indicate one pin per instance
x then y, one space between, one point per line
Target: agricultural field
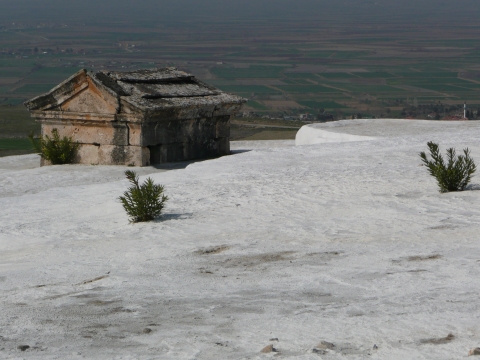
15 146
15 125
392 68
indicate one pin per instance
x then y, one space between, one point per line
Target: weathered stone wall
181 140
100 143
110 155
113 155
113 133
143 144
174 152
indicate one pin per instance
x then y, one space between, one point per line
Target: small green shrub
453 175
54 149
143 202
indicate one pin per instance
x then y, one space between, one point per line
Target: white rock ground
346 242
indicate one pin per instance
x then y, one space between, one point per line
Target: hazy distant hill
455 12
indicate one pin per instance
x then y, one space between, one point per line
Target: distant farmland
284 68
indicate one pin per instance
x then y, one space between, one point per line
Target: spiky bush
143 202
57 150
452 175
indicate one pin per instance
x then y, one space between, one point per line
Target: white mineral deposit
340 242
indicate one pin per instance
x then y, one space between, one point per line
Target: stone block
173 152
223 146
226 110
162 132
195 112
87 154
135 134
44 162
222 127
123 155
109 134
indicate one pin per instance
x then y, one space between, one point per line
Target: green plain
248 89
254 71
15 144
307 89
321 104
256 105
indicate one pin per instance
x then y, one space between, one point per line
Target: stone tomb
138 118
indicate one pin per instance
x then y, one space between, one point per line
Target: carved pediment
89 100
79 94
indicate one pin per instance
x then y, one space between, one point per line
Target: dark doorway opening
155 154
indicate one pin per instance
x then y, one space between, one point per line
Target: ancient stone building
138 118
